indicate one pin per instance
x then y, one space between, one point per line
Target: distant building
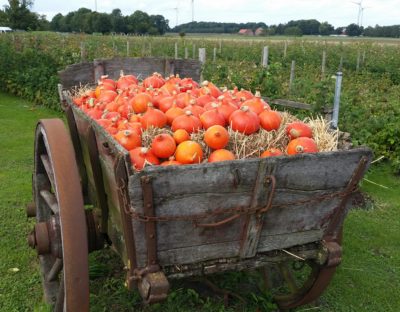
259 31
246 32
5 29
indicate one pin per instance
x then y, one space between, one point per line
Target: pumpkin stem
244 108
258 94
121 73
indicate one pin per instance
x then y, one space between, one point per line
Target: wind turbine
192 10
362 14
359 11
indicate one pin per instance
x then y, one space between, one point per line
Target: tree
19 16
353 30
326 29
118 24
160 23
293 31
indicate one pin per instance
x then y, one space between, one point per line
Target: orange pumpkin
221 155
181 135
298 129
171 162
153 118
216 137
189 152
211 118
139 102
302 145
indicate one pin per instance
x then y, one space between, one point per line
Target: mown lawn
367 280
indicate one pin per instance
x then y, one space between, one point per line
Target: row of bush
370 108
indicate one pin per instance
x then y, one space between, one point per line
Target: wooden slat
260 196
76 75
50 200
288 103
55 270
47 166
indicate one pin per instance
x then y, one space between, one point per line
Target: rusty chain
236 210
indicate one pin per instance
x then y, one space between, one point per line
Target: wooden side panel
188 190
77 74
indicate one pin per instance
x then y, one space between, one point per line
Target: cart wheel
60 234
296 282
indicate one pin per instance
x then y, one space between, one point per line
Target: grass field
367 280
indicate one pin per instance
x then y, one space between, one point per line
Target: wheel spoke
55 270
49 169
51 200
60 302
288 277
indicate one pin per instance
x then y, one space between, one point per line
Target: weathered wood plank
77 74
288 103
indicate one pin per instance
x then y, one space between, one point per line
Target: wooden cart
276 214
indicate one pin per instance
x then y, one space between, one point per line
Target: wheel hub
46 237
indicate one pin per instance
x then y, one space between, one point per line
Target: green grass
367 280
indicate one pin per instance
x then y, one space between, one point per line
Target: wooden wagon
175 222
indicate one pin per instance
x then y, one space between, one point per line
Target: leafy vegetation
370 260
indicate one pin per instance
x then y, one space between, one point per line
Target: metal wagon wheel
297 282
60 234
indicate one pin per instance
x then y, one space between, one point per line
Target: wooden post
265 57
220 46
194 51
202 55
150 49
176 50
358 61
186 53
291 79
127 48
323 64
214 54
285 49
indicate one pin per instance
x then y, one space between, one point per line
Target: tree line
17 15
292 28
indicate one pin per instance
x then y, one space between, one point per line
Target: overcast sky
336 12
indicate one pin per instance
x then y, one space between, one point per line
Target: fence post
336 100
358 61
83 52
265 57
127 48
186 53
202 55
323 64
214 54
220 46
194 51
176 50
285 49
291 79
363 57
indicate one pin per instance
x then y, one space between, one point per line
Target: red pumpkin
187 122
173 112
221 155
154 81
256 104
270 120
244 120
211 118
272 152
163 145
141 156
128 139
153 117
125 81
301 145
298 129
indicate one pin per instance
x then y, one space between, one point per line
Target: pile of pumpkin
176 121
